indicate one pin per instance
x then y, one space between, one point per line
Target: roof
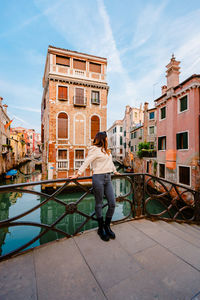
179 85
50 46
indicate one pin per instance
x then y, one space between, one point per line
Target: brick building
74 109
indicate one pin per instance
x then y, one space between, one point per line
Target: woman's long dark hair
101 141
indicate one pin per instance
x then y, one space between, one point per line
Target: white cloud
37 110
136 72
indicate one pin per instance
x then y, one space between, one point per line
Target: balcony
78 163
148 153
62 165
80 101
67 71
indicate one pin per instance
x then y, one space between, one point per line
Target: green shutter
185 140
178 141
159 143
163 113
183 103
121 142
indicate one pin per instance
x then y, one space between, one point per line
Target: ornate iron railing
148 196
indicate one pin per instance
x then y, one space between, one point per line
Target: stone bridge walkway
148 260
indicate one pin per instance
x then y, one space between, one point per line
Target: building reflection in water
12 204
51 211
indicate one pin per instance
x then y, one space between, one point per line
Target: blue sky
137 37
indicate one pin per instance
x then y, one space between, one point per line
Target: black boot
108 230
101 231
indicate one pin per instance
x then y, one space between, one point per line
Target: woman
100 158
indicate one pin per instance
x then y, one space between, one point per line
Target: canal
14 203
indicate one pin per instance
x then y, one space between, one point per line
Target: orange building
74 108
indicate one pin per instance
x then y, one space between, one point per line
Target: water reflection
12 204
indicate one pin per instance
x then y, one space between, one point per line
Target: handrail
176 202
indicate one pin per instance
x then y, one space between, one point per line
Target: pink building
178 128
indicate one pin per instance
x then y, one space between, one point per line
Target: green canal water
12 204
15 203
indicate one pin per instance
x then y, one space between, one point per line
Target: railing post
197 205
138 195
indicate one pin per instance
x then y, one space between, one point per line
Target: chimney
164 89
172 73
5 108
1 99
146 105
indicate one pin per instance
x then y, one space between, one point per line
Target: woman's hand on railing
117 173
74 176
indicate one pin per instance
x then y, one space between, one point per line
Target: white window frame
188 140
78 160
180 165
179 102
153 129
58 100
149 114
62 160
95 90
165 113
165 143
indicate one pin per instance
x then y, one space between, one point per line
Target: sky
137 37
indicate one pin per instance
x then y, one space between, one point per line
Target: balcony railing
146 196
80 101
67 71
78 163
62 165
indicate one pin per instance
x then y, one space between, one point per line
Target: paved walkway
148 260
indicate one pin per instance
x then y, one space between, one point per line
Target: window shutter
62 154
95 126
177 141
79 64
61 60
159 143
62 93
62 126
79 154
95 67
183 103
185 140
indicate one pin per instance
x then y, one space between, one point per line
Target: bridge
155 255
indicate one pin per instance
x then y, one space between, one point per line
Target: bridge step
147 260
182 248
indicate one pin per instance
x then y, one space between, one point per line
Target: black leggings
102 186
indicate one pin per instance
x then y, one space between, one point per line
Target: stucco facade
178 111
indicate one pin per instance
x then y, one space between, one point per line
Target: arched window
62 126
95 126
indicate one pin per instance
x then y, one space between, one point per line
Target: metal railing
173 202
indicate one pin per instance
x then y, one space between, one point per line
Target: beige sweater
100 162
